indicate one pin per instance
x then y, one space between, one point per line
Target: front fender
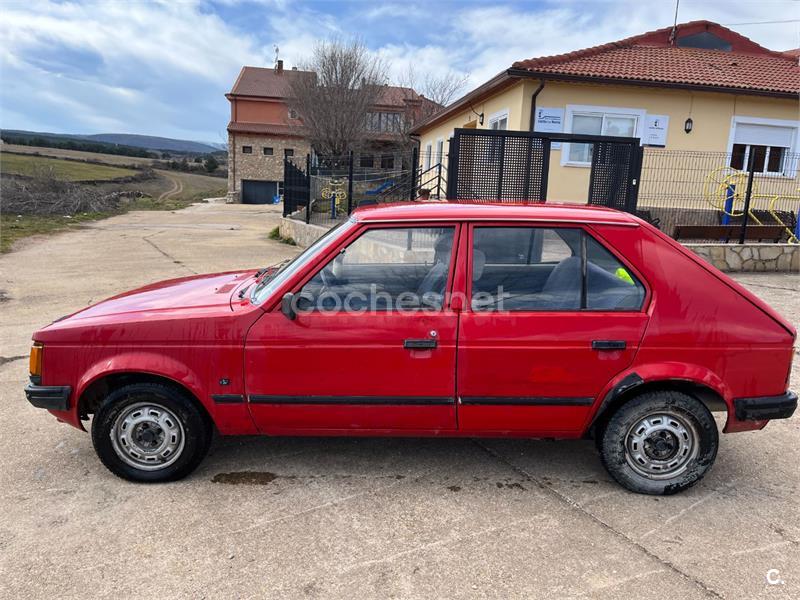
644 374
136 362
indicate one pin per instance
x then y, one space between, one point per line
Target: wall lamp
688 124
479 115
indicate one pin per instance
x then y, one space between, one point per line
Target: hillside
112 140
149 142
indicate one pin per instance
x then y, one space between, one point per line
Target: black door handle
608 344
419 344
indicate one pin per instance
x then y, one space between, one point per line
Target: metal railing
721 197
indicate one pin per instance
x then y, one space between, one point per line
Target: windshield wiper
276 266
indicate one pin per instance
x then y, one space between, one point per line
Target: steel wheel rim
147 436
661 445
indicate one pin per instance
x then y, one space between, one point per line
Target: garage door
258 192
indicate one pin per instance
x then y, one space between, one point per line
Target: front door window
392 269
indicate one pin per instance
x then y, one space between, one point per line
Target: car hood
212 290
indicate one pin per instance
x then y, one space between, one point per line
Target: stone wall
761 258
302 233
256 165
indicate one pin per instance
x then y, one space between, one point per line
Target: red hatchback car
432 320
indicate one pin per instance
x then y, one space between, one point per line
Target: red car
432 320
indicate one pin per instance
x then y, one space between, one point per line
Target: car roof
494 211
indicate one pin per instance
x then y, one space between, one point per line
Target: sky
163 67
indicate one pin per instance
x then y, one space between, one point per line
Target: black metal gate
296 184
513 166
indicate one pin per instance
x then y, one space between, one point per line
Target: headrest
478 262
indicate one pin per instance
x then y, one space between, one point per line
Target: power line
763 22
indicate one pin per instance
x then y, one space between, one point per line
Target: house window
499 120
597 120
247 149
267 151
387 161
428 152
288 152
366 161
767 142
292 113
386 122
439 150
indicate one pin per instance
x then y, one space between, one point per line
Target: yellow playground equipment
725 189
336 187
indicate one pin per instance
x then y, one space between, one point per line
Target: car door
554 315
373 343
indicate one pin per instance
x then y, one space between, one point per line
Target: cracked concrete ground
355 517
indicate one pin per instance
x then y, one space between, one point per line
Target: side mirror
288 307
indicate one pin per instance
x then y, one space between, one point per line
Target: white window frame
620 111
428 154
497 116
791 171
439 149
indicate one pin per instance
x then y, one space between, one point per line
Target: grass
195 187
275 234
69 170
16 227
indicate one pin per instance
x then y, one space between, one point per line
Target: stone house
263 130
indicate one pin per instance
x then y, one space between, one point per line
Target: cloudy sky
162 67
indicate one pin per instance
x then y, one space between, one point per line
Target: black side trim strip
363 400
531 401
51 397
765 407
227 398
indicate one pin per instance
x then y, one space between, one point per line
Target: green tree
211 163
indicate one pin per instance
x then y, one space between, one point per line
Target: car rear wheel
150 432
659 443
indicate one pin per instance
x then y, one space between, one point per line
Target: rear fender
696 378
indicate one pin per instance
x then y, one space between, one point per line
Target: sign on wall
550 120
655 130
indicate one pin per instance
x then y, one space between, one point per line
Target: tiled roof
265 82
266 129
269 83
652 57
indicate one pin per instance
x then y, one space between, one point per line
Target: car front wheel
659 443
150 432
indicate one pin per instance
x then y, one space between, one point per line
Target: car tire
149 432
659 443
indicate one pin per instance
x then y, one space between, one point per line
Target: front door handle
420 344
608 345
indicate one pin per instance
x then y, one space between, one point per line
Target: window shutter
763 135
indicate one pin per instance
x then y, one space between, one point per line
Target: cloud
163 67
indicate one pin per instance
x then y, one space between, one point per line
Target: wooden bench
724 233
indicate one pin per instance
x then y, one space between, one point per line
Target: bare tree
344 81
436 91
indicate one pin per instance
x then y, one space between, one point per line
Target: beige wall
256 165
711 114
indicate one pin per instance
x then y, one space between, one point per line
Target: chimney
279 67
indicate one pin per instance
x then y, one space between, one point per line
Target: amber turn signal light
36 359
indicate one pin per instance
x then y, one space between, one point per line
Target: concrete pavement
375 518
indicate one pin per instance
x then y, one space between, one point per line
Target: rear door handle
608 345
420 344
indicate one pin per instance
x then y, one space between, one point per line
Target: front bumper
765 407
51 397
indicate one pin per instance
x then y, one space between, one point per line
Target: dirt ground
359 518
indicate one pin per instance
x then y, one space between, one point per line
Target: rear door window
541 269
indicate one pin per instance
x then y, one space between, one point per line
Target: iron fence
324 190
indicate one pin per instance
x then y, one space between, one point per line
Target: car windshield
269 283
